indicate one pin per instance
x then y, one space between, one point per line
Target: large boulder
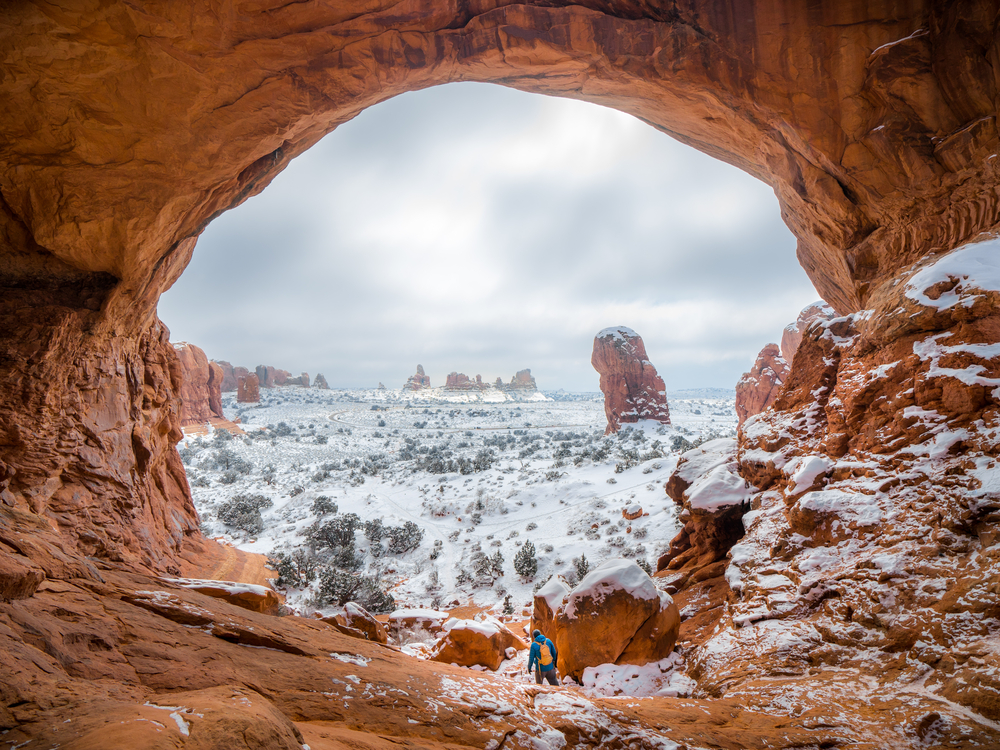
356 621
469 643
759 388
615 615
246 595
548 599
632 389
201 385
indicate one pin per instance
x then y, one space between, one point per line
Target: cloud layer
475 228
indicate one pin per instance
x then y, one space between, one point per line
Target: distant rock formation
458 381
320 382
417 382
201 388
632 388
301 380
271 377
381 386
249 389
229 381
759 388
791 337
522 381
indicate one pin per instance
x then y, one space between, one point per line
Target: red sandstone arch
131 126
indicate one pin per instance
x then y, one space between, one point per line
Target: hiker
542 655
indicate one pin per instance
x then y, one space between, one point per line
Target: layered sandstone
418 381
632 389
201 385
759 388
861 603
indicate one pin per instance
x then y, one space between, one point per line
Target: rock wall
231 376
758 389
632 389
201 385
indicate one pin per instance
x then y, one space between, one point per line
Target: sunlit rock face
632 389
792 335
201 385
758 389
862 596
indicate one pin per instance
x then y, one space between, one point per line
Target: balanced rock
759 388
632 389
469 643
615 615
201 387
249 389
418 381
792 335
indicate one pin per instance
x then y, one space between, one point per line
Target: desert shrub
525 562
405 538
487 568
336 533
243 512
296 569
338 587
644 564
324 506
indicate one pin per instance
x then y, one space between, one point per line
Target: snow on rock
632 389
483 642
245 595
613 575
955 277
807 471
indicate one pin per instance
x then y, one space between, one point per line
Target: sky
479 229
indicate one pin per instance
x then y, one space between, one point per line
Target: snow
659 678
613 575
808 470
554 592
488 627
619 333
975 266
857 507
419 615
228 586
720 488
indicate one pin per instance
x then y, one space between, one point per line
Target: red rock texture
632 389
129 127
201 392
467 644
249 389
792 335
758 389
418 381
271 377
228 376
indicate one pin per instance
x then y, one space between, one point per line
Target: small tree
582 566
508 606
525 562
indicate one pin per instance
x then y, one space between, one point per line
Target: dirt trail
220 562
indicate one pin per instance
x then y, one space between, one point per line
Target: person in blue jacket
542 656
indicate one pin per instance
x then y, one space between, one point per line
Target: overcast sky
480 229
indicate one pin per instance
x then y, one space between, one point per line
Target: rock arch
133 126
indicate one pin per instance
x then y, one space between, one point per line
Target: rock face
320 382
247 596
201 385
128 128
302 380
458 381
792 334
358 622
229 381
418 381
522 381
632 389
758 389
469 643
249 389
615 615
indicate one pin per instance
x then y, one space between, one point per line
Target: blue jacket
535 654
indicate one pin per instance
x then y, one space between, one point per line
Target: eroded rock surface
632 389
792 335
759 388
201 385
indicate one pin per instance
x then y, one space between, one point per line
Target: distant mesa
248 391
459 381
320 382
791 337
417 382
632 388
201 385
759 388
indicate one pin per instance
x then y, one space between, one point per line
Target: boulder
320 382
632 389
759 388
358 618
249 389
615 615
430 620
201 386
469 643
246 595
417 382
547 601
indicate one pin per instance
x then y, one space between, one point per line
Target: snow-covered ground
445 495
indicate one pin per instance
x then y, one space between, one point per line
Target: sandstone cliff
201 385
759 388
632 389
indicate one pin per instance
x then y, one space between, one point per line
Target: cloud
475 228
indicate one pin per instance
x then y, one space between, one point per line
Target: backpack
544 654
